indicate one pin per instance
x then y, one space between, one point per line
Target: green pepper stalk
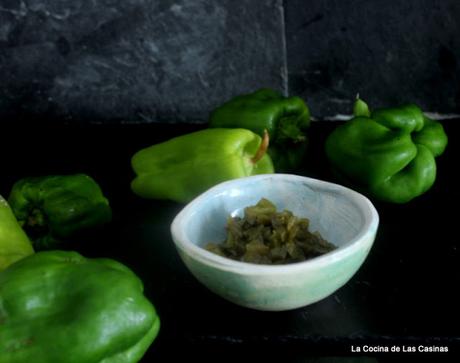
14 244
54 208
262 148
183 167
58 306
390 154
360 108
285 118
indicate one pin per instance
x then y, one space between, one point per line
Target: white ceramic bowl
342 216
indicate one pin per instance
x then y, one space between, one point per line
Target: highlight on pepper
14 243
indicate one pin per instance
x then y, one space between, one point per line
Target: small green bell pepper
58 306
183 167
285 118
14 244
53 208
389 154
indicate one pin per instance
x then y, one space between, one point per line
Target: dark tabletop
405 293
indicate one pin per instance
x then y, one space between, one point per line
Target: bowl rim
184 244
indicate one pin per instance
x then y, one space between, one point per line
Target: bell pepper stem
262 148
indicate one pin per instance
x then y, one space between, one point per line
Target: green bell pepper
58 306
14 244
389 154
183 167
285 119
53 208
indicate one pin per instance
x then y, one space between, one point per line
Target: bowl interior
336 212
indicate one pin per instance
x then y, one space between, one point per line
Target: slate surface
136 60
389 51
175 60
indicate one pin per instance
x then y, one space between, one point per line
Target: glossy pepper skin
53 208
14 243
389 154
183 167
285 118
58 306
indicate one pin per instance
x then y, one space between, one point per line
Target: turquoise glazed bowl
342 216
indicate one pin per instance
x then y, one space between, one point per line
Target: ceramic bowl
342 216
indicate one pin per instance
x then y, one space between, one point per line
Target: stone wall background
388 51
173 61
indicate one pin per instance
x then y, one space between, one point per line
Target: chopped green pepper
266 236
58 306
390 154
185 166
53 208
14 244
285 118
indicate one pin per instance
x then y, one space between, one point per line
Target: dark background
173 61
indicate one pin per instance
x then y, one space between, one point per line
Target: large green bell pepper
58 306
53 208
285 118
185 166
390 154
14 244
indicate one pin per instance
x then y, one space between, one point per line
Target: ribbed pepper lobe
58 306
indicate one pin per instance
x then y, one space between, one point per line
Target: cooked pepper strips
265 236
58 306
285 118
53 208
390 154
14 244
183 167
